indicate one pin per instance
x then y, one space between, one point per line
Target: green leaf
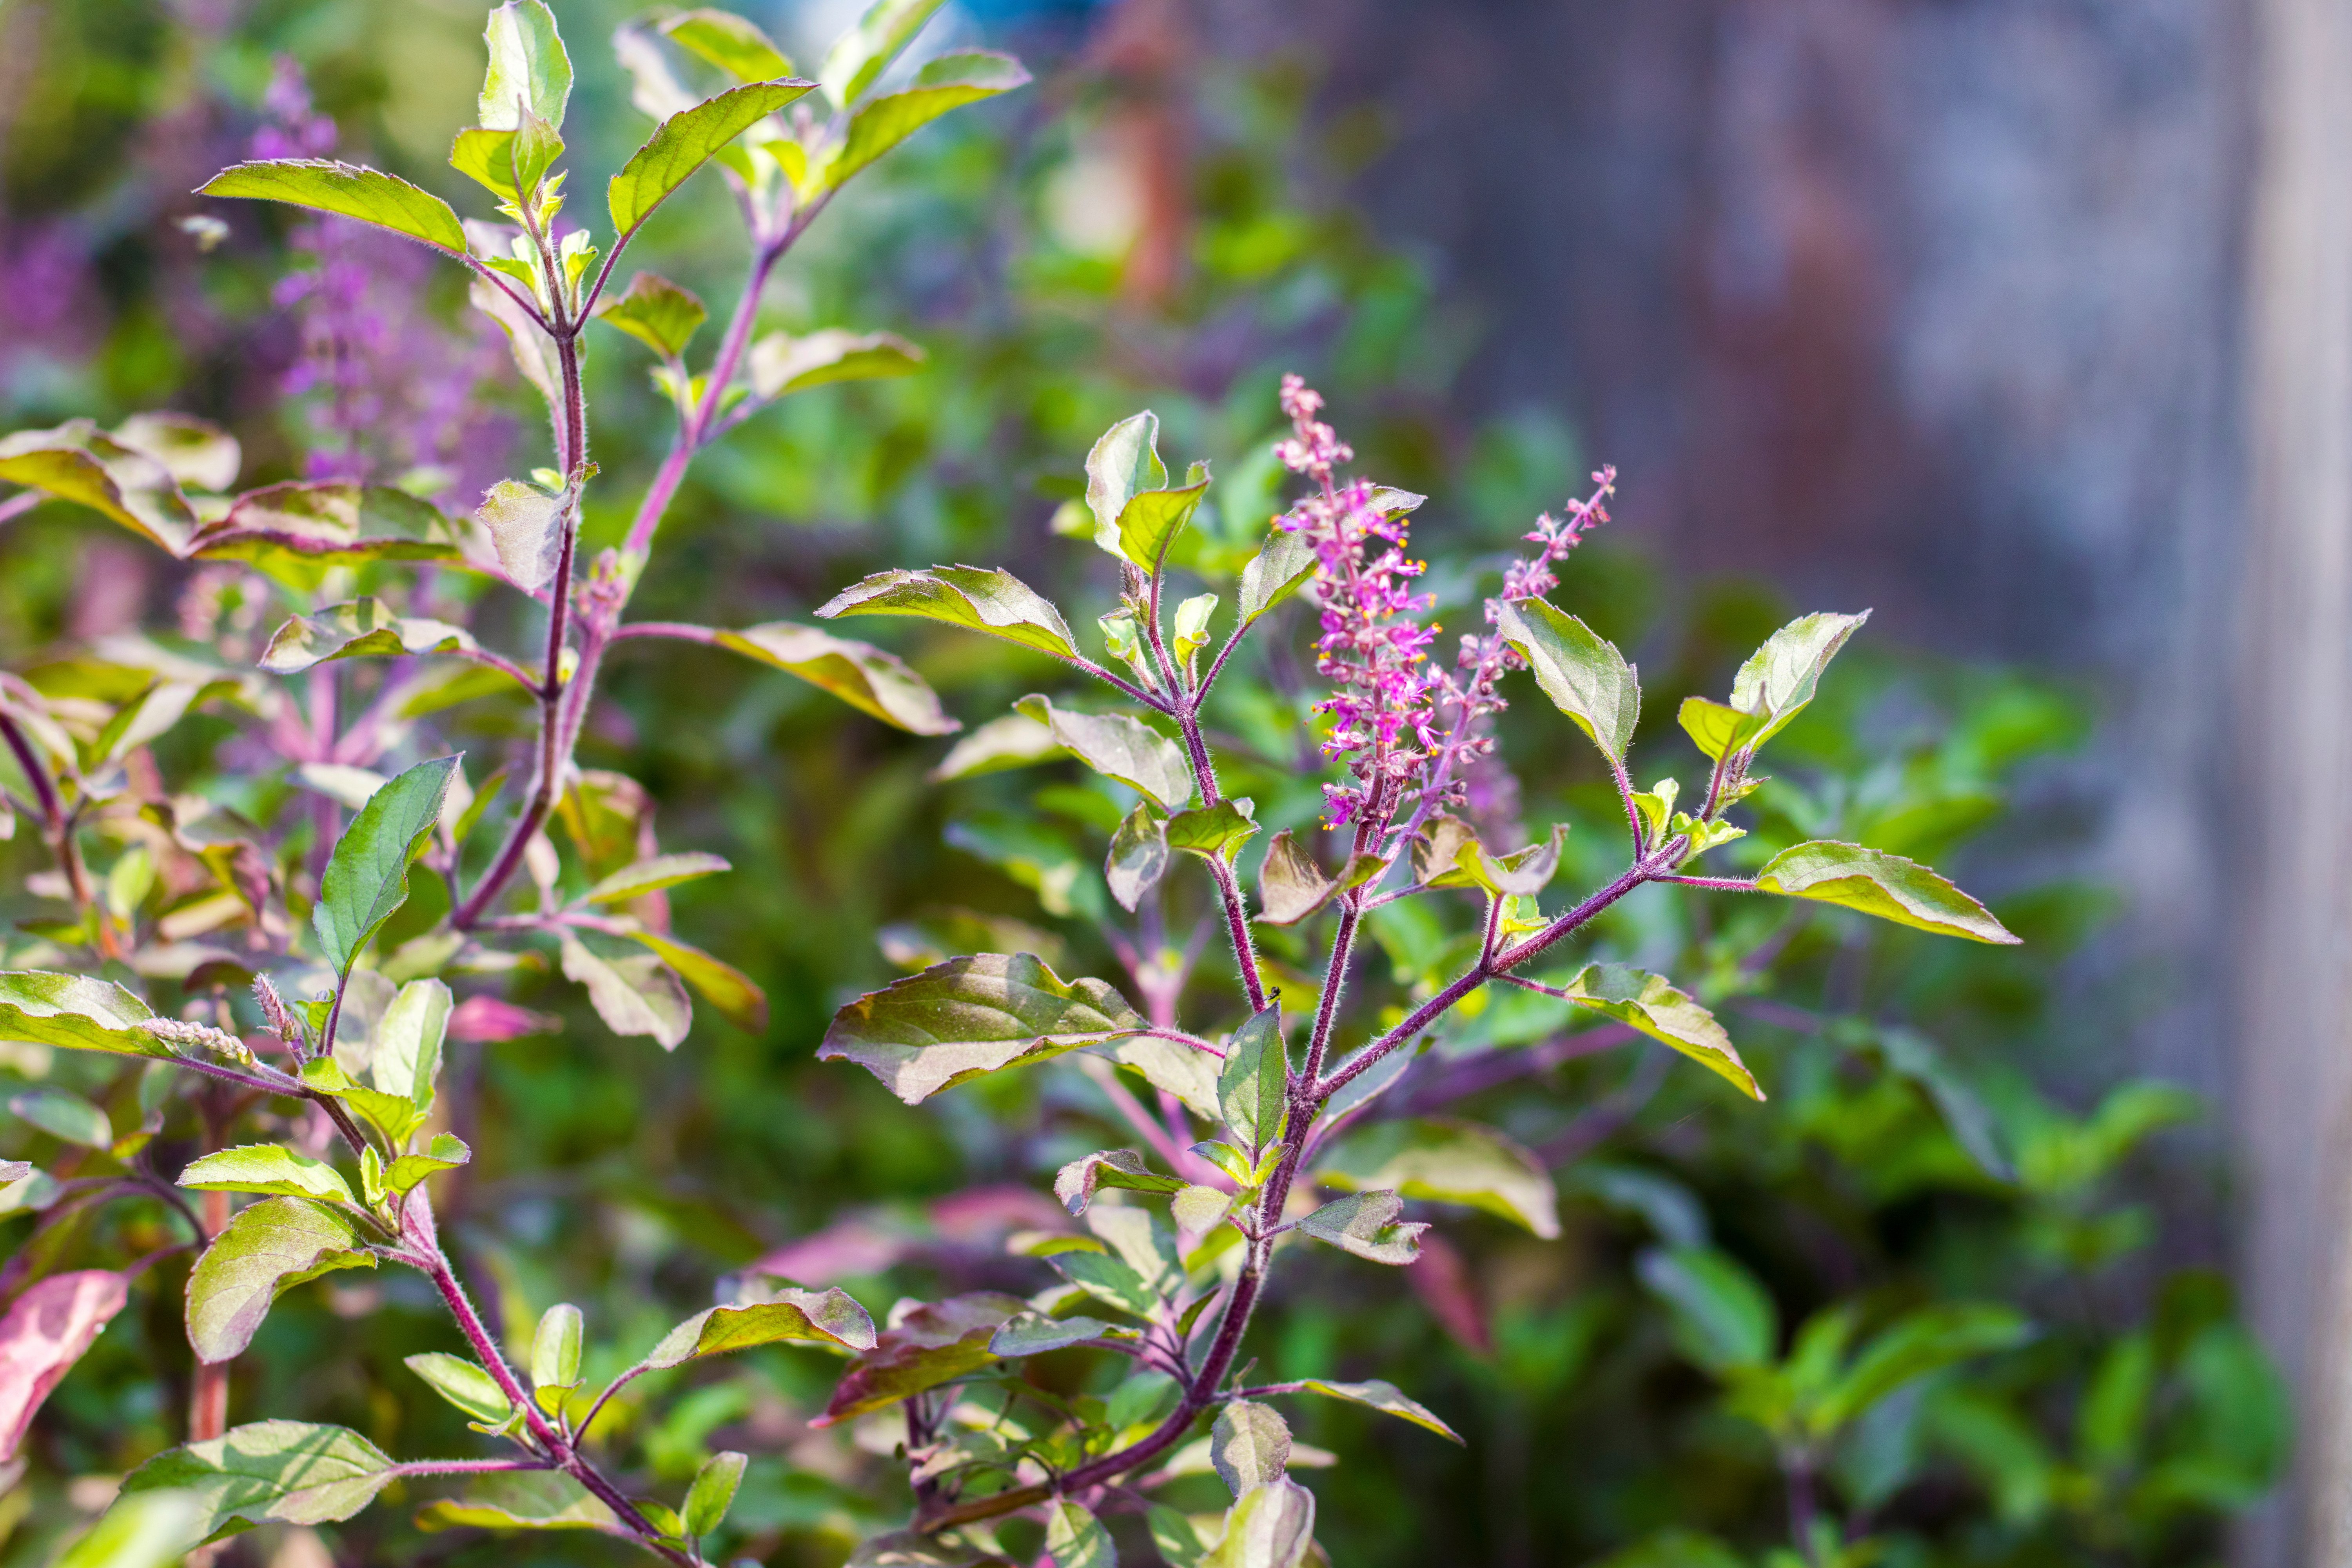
1113 1281
1387 1397
712 1493
77 462
1124 463
1077 1181
1015 741
393 1115
1141 1397
1779 678
1652 1005
270 1472
781 364
728 989
1922 1341
1138 854
1271 1526
948 82
1254 1089
1715 729
1249 1445
445 1153
728 41
488 159
1291 886
1722 1316
932 1344
1273 575
196 452
860 55
792 1315
1118 747
864 677
1032 1334
267 1168
150 1531
1583 673
993 601
555 1348
1220 830
1447 1161
1191 632
528 68
1150 524
652 876
1075 1537
1877 883
367 877
632 989
298 533
347 191
407 1042
363 628
1366 1225
681 144
656 311
542 1499
265 1251
972 1015
465 1384
525 523
63 1115
1173 1533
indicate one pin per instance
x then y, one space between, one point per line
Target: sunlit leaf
930 1345
1077 1181
793 1317
266 1250
1118 747
779 364
684 142
996 603
867 678
728 41
529 1501
865 51
1366 1225
367 877
972 1015
76 1012
1583 673
1389 1398
1652 1005
656 311
529 69
80 463
267 1168
1447 1161
1877 883
946 83
196 452
632 989
473 1392
363 629
652 876
1249 1445
271 1472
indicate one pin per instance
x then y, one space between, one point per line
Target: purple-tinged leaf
792 1315
1080 1180
930 1345
1366 1225
46 1332
972 1015
1387 1397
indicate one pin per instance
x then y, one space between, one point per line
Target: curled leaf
972 1016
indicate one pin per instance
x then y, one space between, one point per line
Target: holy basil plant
286 961
1272 1089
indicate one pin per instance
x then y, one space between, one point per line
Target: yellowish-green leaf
860 55
1877 883
1650 1004
994 602
633 990
781 364
345 190
77 462
652 876
76 1012
265 1251
867 678
542 1499
1582 672
792 1315
1445 1161
270 1472
196 452
267 1168
656 311
1387 1397
728 41
529 69
684 142
474 1391
946 83
363 629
